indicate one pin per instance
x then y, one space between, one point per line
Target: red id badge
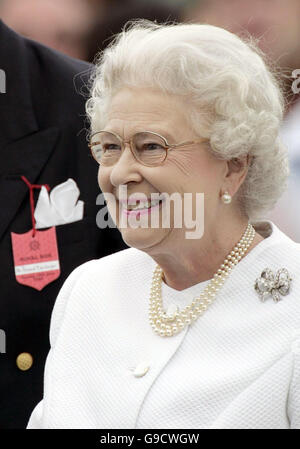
36 257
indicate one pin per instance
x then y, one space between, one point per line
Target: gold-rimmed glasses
147 147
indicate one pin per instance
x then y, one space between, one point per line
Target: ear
237 169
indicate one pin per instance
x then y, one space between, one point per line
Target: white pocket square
60 207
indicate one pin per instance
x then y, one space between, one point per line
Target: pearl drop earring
226 198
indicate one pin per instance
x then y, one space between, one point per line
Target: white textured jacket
237 366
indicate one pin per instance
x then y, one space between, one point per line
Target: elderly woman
182 330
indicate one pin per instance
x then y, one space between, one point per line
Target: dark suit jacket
41 116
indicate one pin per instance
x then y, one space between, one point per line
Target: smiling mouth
142 207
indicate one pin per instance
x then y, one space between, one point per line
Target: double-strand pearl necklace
168 324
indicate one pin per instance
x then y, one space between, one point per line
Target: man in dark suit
41 116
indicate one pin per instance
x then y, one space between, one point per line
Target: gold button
24 361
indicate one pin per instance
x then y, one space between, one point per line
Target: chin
142 238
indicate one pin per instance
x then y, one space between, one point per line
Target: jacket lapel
26 157
24 148
17 117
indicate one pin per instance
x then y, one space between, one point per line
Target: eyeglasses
147 147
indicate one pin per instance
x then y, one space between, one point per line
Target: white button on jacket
141 369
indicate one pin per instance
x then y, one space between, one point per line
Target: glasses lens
149 148
106 148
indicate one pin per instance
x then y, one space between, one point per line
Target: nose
126 170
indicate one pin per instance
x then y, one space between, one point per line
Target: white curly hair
232 97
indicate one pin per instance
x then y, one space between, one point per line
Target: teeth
143 205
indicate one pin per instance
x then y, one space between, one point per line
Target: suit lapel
25 157
17 117
24 149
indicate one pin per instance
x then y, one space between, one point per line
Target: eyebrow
165 134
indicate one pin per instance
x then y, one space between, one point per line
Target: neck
195 261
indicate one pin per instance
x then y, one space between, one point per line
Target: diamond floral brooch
273 285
